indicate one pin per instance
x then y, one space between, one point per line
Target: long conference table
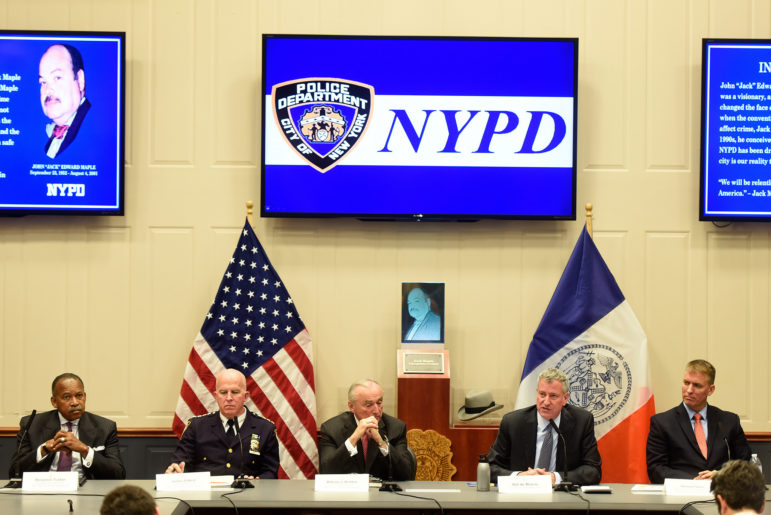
299 497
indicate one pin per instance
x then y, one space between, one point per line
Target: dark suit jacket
672 450
93 430
335 459
514 447
72 132
204 446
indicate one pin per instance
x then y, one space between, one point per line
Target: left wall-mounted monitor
62 121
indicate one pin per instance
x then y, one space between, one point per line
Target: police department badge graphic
322 118
600 380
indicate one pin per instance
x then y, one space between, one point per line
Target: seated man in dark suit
215 443
682 448
68 438
527 444
365 440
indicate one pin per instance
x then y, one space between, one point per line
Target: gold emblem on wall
433 453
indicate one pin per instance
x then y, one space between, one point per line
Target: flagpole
250 212
589 219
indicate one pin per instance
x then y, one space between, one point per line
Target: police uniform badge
254 445
322 119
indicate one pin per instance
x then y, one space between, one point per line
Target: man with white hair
231 441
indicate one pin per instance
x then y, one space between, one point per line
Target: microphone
725 439
563 486
240 482
389 485
15 481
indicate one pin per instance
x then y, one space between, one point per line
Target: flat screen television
419 127
62 104
735 170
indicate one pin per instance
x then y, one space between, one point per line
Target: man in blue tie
693 439
527 443
68 438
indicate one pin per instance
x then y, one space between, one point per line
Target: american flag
253 326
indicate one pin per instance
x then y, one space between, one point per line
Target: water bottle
483 474
753 459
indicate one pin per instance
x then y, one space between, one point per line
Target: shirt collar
240 419
542 422
63 421
691 413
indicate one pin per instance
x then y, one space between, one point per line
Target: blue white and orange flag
253 326
590 332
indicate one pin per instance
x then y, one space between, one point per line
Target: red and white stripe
282 391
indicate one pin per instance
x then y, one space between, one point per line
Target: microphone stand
725 439
240 481
15 481
389 485
563 486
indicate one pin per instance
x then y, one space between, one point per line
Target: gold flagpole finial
250 212
589 219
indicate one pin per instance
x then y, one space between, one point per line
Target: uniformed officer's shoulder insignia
190 420
263 418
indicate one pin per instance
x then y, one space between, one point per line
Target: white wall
119 300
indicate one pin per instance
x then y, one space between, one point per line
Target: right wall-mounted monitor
735 130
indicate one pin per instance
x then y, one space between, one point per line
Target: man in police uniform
211 442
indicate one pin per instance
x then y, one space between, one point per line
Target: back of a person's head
128 500
741 485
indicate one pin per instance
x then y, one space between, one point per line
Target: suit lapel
531 435
52 425
687 429
218 429
567 423
86 430
713 433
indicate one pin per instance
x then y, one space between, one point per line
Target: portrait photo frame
428 303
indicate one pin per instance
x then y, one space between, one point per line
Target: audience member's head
739 486
129 500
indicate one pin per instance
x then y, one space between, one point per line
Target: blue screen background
97 143
423 67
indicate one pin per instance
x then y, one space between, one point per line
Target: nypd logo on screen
324 119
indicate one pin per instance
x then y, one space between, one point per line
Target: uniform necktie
699 431
364 444
544 459
59 131
65 456
231 432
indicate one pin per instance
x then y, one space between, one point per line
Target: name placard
524 484
50 482
423 363
342 483
689 487
189 481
